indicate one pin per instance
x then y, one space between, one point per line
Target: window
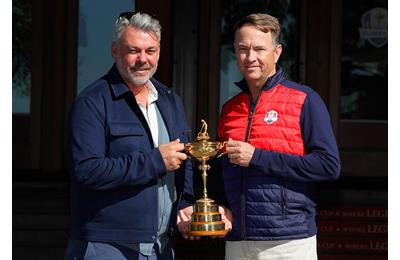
364 74
95 36
363 111
21 56
286 11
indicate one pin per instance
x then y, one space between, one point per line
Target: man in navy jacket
279 142
126 132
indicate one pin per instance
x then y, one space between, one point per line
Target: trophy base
206 219
219 233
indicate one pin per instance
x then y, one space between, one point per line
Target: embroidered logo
271 116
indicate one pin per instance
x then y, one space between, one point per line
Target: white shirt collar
153 94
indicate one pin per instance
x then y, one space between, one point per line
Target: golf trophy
206 219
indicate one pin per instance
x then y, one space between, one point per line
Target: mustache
136 67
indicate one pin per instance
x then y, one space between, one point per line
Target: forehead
138 38
250 35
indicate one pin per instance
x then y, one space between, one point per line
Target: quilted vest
275 121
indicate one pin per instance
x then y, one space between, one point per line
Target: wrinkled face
136 55
256 54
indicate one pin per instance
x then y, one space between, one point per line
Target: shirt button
153 237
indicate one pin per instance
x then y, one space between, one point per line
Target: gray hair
140 21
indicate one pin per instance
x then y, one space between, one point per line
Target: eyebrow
254 47
136 47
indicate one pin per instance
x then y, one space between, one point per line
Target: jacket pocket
125 138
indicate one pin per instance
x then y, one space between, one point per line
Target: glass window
364 78
21 56
96 27
287 11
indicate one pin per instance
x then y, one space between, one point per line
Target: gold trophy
206 219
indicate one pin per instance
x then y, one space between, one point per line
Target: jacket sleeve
87 147
321 161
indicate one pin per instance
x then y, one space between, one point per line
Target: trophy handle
188 149
222 149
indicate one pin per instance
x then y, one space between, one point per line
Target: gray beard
131 79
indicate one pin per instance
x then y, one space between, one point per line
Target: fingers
232 143
239 153
194 237
183 224
172 155
226 217
181 156
228 224
183 221
233 146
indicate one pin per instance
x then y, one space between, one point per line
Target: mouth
140 70
251 67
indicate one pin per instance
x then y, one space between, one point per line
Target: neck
256 86
254 93
141 94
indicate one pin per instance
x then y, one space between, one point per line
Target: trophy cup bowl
206 219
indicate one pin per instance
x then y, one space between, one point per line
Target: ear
114 50
159 51
277 53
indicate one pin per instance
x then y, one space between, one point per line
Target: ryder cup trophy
206 219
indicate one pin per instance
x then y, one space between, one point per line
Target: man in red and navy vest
279 143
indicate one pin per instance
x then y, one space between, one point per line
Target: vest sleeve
321 160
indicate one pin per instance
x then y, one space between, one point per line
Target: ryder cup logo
271 116
374 25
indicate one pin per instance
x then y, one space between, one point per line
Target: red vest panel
275 125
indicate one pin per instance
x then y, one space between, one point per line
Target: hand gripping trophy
206 219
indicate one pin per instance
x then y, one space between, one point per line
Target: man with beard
129 177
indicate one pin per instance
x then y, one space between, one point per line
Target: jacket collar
272 81
119 88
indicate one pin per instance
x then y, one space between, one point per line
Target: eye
151 51
259 49
242 49
133 51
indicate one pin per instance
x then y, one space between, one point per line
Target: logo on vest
271 116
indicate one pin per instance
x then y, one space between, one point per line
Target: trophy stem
204 167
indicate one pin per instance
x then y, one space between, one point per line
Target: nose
142 57
251 56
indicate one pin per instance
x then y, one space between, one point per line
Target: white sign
374 25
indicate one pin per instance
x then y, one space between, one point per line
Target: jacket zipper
242 187
283 202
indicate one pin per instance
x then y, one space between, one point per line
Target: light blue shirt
166 184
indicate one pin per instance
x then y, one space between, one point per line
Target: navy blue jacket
273 198
114 165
